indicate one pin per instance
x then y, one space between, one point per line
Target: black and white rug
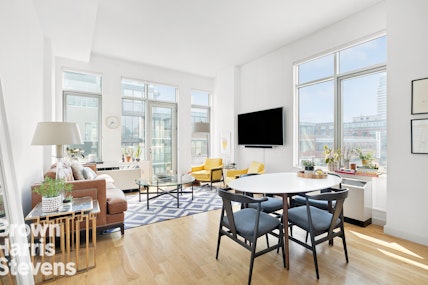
165 207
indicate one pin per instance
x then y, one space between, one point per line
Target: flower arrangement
75 153
331 155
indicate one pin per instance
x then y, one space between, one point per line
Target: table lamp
58 134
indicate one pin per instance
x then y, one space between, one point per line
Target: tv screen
261 128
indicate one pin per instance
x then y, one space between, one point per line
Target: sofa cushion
106 177
77 169
66 173
202 175
116 201
88 173
255 167
211 163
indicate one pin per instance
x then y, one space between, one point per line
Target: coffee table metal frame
165 185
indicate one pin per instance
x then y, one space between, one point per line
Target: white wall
112 71
22 74
407 209
223 110
268 81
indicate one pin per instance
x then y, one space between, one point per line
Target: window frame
146 114
88 94
208 109
337 78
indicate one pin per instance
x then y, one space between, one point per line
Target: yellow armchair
211 171
255 167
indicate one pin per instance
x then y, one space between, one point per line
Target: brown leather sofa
111 199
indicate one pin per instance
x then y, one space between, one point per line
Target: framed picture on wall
419 134
420 96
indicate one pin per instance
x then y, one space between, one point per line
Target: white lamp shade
57 133
201 127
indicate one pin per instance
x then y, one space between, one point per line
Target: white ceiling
195 36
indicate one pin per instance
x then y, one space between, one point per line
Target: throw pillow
65 173
77 169
88 173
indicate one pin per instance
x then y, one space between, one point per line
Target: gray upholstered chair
271 206
245 226
318 222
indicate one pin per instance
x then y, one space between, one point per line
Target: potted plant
347 153
127 153
366 158
309 165
137 153
51 191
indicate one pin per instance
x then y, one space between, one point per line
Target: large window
82 104
342 102
149 123
200 114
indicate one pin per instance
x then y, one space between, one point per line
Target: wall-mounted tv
263 128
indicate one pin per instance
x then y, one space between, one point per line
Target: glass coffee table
165 185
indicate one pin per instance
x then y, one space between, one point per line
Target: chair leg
281 242
218 245
253 254
314 253
344 244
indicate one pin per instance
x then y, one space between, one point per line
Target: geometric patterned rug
165 207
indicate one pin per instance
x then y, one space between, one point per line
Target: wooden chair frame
228 227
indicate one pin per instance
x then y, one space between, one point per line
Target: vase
346 164
365 162
51 204
331 166
309 169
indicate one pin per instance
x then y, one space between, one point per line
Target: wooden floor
182 251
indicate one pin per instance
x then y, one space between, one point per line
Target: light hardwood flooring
182 251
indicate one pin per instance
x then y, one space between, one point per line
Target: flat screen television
263 128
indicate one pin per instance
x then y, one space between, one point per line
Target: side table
65 226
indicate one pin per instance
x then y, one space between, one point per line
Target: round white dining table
284 184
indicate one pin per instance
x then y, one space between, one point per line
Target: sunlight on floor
392 245
403 259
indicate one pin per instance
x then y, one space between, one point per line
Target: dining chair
300 200
318 222
271 206
245 226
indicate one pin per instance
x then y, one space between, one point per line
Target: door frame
149 135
